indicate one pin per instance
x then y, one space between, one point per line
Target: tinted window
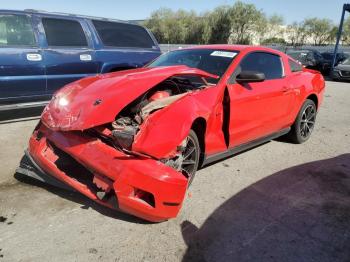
212 61
61 32
123 35
16 30
269 64
294 67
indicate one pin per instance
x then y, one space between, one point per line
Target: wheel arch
199 126
314 98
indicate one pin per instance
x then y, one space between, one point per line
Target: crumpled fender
165 129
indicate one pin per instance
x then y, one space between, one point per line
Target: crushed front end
96 136
138 185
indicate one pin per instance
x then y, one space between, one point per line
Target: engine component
124 131
159 95
160 103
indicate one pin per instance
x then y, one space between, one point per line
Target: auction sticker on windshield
224 54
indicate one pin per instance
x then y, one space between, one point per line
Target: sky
295 10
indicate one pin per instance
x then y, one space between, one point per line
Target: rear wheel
304 123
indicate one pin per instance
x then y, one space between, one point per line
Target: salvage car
133 140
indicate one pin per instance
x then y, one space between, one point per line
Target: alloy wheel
307 122
189 158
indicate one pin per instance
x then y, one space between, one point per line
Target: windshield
210 60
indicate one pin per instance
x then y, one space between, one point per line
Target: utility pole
346 7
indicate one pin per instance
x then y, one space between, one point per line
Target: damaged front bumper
139 186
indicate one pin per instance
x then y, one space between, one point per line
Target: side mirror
250 77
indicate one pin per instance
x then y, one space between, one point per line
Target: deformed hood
97 100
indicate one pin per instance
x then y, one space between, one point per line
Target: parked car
328 60
342 71
309 58
186 109
40 52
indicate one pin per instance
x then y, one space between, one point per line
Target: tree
297 34
180 27
217 26
346 32
246 19
318 29
273 40
271 29
332 35
156 24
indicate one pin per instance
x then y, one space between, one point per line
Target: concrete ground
277 202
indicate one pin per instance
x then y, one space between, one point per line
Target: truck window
116 34
16 30
64 33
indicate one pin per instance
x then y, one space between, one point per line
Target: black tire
304 123
189 170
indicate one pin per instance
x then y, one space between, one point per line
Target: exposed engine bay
128 121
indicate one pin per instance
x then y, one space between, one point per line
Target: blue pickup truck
40 52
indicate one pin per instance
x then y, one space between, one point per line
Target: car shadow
84 201
298 214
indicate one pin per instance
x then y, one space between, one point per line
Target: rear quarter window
116 34
294 66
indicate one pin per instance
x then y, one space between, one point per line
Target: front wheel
186 160
190 156
304 123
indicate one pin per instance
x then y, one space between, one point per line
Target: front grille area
73 168
78 172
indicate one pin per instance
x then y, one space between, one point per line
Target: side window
269 64
64 33
16 30
294 66
123 35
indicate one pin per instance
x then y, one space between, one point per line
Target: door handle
34 57
85 57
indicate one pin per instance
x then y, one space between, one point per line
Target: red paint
113 90
267 107
159 95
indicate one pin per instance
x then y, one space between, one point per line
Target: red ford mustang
133 140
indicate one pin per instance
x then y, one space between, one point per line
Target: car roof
57 14
236 48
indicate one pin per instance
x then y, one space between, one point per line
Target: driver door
258 109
